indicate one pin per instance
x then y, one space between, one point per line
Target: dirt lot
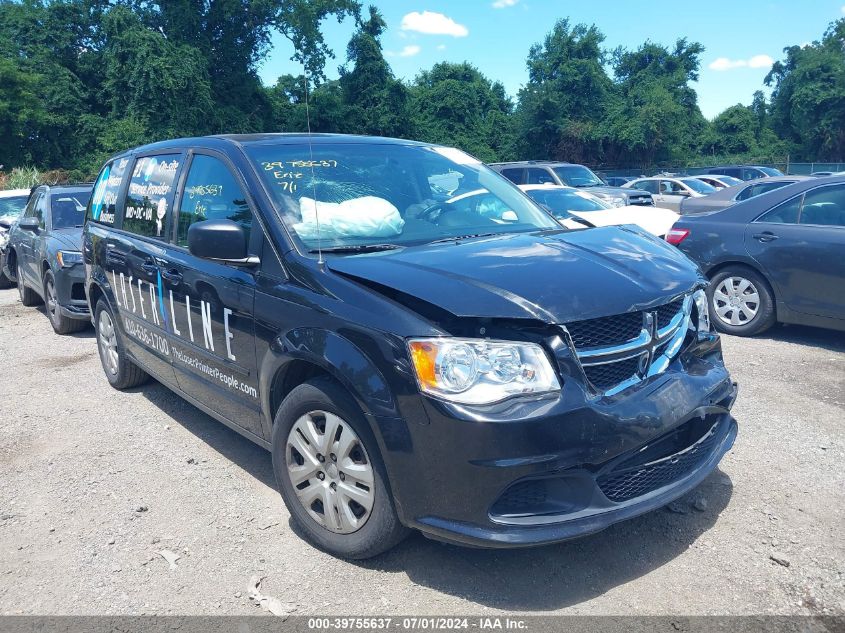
95 483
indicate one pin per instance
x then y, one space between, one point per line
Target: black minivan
418 344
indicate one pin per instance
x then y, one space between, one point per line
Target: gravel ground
98 487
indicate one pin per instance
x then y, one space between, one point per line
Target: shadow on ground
833 340
537 579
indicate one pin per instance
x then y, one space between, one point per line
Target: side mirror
29 224
222 240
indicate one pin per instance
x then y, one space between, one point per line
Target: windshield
561 201
578 176
376 194
730 181
12 207
698 185
771 171
68 209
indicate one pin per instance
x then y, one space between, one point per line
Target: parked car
616 181
738 193
718 182
670 192
820 174
775 257
746 172
466 368
12 202
44 255
553 173
572 207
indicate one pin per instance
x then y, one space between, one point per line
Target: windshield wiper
458 238
356 248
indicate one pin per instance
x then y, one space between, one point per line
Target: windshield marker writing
205 311
229 337
173 318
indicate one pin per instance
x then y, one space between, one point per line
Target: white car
573 208
669 191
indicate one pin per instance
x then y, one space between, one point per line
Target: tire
61 324
357 532
121 372
28 296
741 302
5 282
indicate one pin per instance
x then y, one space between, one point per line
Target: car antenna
320 261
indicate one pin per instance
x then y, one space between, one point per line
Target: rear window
771 171
698 185
104 198
150 195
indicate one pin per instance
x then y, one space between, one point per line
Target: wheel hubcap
736 301
52 302
330 471
108 342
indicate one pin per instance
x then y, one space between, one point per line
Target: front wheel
61 324
121 372
741 302
330 473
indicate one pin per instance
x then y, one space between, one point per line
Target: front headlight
67 259
478 371
616 201
702 310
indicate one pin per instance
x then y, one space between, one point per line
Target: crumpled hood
553 277
70 239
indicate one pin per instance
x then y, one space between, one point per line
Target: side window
150 195
103 202
733 171
41 209
745 194
537 176
784 213
824 206
647 185
514 175
211 193
29 209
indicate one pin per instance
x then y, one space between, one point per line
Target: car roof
13 193
75 188
222 141
544 187
541 163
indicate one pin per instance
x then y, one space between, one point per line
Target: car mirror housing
222 240
29 224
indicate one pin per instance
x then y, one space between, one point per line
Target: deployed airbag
360 217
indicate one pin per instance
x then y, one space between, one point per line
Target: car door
133 256
800 245
30 240
209 302
670 195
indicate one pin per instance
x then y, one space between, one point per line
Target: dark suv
534 172
417 343
45 256
746 172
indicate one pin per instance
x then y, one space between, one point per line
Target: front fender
337 356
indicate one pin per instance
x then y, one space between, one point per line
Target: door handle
149 267
172 275
765 236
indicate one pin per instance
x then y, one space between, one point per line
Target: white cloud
501 4
757 61
441 47
408 51
843 8
432 23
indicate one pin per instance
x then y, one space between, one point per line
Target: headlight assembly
67 259
702 310
478 371
616 201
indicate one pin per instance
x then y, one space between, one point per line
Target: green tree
454 104
567 95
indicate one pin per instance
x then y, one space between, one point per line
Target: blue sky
741 37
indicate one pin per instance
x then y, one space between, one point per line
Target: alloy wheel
330 472
107 339
52 301
736 301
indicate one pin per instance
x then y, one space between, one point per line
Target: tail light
676 236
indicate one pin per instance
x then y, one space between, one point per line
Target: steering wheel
428 214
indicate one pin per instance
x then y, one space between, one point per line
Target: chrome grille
646 200
619 351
